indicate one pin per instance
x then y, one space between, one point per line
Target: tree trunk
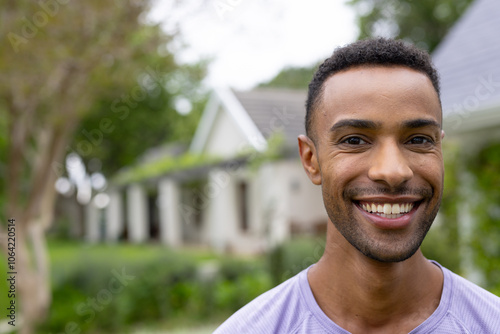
32 261
34 281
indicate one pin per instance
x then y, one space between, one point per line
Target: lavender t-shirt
291 308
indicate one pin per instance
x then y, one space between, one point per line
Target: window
243 209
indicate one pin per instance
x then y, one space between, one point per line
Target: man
374 132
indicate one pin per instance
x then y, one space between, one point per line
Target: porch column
223 217
137 212
114 216
170 222
279 229
275 203
92 222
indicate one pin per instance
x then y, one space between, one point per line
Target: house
226 204
238 198
468 60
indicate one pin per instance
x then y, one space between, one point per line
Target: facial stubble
394 247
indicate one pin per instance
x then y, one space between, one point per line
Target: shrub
88 296
294 256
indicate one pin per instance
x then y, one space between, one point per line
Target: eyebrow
371 125
355 123
421 123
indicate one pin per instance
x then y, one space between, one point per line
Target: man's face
378 156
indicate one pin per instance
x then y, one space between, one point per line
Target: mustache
400 191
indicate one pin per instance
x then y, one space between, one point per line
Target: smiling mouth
388 210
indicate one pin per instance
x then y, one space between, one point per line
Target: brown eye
354 141
420 140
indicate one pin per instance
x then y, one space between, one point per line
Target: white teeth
389 216
388 210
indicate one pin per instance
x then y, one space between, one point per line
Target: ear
309 158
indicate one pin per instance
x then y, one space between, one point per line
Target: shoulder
477 309
278 310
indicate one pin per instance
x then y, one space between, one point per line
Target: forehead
386 93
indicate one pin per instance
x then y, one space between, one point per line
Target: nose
389 165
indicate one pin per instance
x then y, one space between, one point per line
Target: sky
250 41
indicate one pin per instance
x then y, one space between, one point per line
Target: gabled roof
468 60
259 114
225 99
276 110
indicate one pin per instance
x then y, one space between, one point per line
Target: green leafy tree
60 61
423 22
146 114
485 235
292 77
444 234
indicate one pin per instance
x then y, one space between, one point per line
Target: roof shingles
276 110
468 60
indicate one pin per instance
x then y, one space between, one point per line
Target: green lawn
167 294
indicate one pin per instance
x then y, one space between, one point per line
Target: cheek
339 171
430 169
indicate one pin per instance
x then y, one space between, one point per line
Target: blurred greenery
293 256
170 289
142 114
451 243
170 286
485 244
292 77
444 234
162 166
423 22
98 78
167 164
174 288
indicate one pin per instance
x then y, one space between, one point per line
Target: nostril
389 165
392 175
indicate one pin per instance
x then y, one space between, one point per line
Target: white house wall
275 203
474 129
306 202
278 194
225 138
255 238
291 198
222 216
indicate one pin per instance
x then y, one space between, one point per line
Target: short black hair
377 51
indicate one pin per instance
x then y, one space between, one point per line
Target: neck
364 295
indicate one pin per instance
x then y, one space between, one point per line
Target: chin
390 258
